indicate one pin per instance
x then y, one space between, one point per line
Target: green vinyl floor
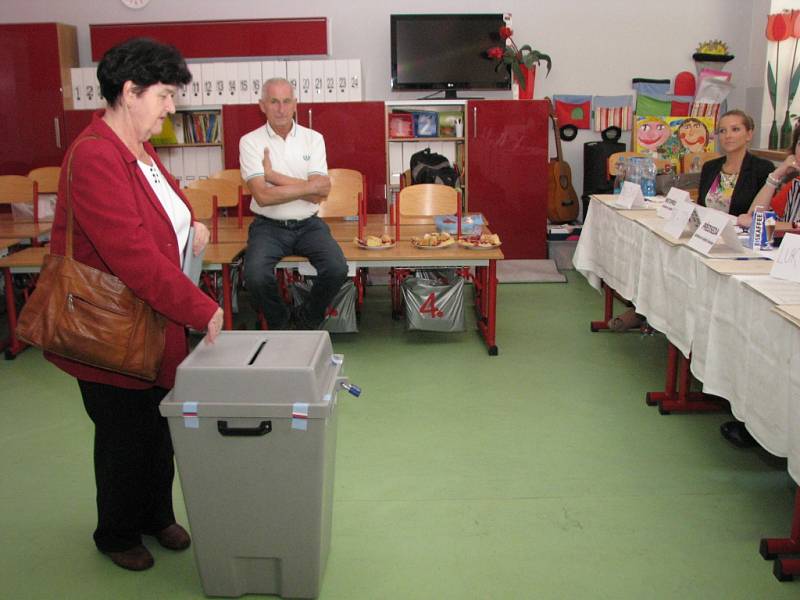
536 474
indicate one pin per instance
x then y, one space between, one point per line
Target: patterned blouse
721 190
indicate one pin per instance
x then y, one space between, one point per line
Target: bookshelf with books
190 144
190 128
412 126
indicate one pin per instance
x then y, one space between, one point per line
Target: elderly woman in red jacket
132 220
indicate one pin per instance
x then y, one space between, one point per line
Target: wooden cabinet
353 134
75 121
507 164
35 59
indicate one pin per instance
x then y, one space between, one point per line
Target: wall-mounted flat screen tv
446 52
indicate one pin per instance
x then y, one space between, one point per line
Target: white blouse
176 210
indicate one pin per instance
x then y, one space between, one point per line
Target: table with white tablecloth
740 348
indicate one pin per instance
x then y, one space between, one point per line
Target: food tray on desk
446 244
363 246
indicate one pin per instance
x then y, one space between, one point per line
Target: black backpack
430 167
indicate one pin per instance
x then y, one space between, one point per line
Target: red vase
526 86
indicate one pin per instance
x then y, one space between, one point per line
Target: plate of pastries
433 241
375 242
484 241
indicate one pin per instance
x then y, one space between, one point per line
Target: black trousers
268 242
133 464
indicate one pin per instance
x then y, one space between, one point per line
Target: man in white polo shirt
285 169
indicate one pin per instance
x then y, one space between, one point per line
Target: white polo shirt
300 155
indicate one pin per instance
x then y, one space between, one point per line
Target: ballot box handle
263 428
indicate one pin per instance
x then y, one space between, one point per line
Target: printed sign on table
715 226
674 197
787 263
630 196
683 219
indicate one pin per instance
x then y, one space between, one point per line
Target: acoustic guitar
562 201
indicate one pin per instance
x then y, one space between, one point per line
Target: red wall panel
222 39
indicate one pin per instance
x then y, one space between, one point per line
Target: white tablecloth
741 349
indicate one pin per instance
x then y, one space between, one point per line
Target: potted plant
522 61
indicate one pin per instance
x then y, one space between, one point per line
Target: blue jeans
268 242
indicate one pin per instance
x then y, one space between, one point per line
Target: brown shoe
137 558
174 537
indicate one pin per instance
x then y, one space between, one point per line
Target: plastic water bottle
634 171
649 178
619 179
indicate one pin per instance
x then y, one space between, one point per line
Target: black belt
287 223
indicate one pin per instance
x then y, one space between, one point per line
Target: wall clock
135 4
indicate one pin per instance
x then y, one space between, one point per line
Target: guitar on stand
562 201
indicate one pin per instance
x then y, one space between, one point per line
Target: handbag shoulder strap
70 228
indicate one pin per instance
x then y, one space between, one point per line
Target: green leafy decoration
772 85
795 81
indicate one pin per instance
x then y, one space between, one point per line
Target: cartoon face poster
672 137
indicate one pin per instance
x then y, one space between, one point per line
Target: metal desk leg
654 398
785 568
487 323
608 309
676 396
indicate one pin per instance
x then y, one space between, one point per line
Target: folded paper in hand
192 265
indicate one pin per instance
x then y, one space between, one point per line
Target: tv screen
446 52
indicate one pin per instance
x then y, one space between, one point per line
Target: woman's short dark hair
144 62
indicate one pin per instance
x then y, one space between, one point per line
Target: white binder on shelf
220 82
195 87
208 89
267 71
354 73
317 81
189 165
231 93
176 165
76 83
342 91
306 82
256 81
201 161
182 96
279 69
90 87
330 81
163 156
215 162
293 76
243 83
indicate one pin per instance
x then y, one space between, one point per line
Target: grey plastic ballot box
253 423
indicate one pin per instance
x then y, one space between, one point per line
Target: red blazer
121 228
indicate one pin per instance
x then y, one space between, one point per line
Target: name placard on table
716 228
787 262
630 196
684 218
674 197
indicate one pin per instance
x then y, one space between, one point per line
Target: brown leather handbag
90 316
